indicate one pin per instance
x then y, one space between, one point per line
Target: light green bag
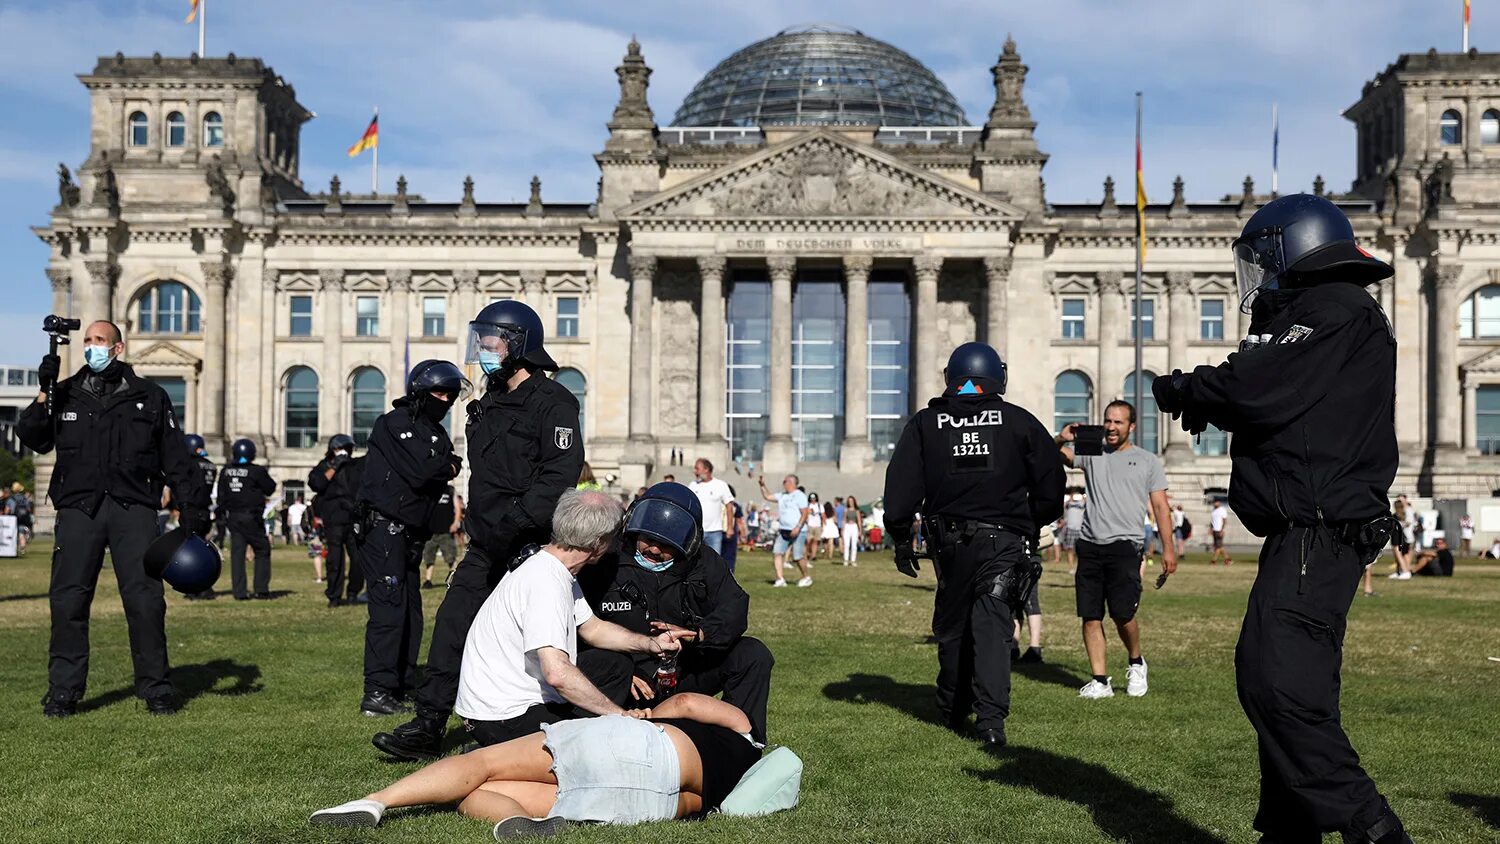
771 785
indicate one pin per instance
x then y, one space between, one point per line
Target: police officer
663 578
243 488
199 449
524 451
408 467
336 481
1314 455
117 443
986 476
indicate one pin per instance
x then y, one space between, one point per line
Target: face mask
489 361
434 409
97 357
640 560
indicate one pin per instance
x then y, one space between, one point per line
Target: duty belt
949 528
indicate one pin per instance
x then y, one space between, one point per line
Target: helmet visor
1257 266
487 340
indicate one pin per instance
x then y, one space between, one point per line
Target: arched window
1147 431
1489 127
140 133
366 402
301 396
168 307
1479 315
1451 129
1073 400
176 129
578 386
213 129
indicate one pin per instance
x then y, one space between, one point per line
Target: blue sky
505 90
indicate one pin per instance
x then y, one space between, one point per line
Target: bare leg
454 778
1093 642
1130 636
496 801
1034 627
803 565
779 561
1369 580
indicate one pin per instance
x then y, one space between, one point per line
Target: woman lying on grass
679 760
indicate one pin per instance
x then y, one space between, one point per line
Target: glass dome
820 75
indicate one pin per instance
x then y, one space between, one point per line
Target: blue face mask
489 361
97 357
640 560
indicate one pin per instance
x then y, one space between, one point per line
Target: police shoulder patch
562 437
1295 334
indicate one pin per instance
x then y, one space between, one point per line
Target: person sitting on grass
680 760
1435 563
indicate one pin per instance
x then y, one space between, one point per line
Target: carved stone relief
677 353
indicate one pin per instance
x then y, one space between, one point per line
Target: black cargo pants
246 528
391 554
342 561
973 626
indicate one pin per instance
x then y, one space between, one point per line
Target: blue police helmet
243 451
429 375
194 443
669 513
186 561
1298 241
975 368
513 325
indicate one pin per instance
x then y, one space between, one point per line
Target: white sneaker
779 583
1395 575
1095 690
353 813
1405 575
804 582
1135 680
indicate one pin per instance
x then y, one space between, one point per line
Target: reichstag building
774 276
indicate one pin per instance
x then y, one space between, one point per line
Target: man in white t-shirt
1218 520
520 660
294 512
717 501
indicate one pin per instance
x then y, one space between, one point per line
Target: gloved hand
906 559
48 370
1193 424
1170 392
457 463
196 521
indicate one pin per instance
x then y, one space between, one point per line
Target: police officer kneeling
409 465
1314 455
243 488
661 578
986 476
117 442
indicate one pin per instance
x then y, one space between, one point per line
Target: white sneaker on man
353 813
779 583
805 582
1135 680
1094 689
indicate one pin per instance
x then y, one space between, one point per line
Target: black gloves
48 370
196 521
906 559
457 463
1170 392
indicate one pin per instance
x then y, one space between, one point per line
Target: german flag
369 140
193 12
1140 196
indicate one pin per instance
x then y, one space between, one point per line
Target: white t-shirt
1217 518
713 494
294 514
539 605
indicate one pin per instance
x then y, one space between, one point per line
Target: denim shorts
613 769
798 546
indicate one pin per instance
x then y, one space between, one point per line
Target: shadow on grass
23 597
193 681
1048 672
1484 806
914 700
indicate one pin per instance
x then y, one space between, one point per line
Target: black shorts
1108 573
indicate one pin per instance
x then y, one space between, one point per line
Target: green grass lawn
271 730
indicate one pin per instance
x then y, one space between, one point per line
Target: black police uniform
117 443
210 482
1314 454
409 464
524 452
985 475
335 504
696 593
242 504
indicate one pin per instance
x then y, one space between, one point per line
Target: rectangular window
15 377
176 390
1211 443
1072 319
367 316
890 354
1487 419
301 325
747 341
1146 319
1211 320
32 379
434 316
567 316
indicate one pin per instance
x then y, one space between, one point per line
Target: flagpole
202 23
1140 246
1275 149
375 162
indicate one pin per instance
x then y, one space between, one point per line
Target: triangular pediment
1487 362
163 354
820 174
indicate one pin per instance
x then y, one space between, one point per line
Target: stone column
781 452
1112 316
1471 434
711 364
333 410
855 453
1180 319
466 300
215 334
399 280
1445 356
928 367
997 273
102 277
62 293
642 302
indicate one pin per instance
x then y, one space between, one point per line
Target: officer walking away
336 480
406 474
986 477
663 577
117 443
524 451
199 449
1314 455
243 488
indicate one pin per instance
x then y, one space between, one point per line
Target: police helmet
671 514
186 561
194 444
340 442
512 330
434 374
975 368
243 451
1298 241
